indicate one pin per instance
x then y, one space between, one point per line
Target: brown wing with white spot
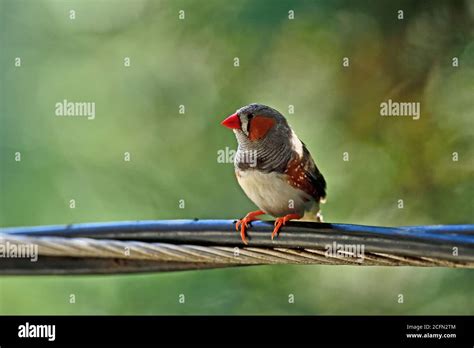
304 175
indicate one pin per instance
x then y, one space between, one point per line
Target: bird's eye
249 116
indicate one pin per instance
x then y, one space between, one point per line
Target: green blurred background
190 62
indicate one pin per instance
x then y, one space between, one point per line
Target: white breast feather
272 193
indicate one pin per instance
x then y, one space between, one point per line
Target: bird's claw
281 221
238 223
278 223
244 223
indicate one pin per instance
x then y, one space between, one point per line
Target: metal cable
206 256
170 245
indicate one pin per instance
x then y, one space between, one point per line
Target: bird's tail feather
313 214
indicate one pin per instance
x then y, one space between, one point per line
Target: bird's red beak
232 122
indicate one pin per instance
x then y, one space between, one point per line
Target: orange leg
243 223
282 221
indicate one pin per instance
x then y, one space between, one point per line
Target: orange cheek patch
259 127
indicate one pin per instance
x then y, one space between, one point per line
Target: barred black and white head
264 130
256 120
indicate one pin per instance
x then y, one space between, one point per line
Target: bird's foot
282 221
242 224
